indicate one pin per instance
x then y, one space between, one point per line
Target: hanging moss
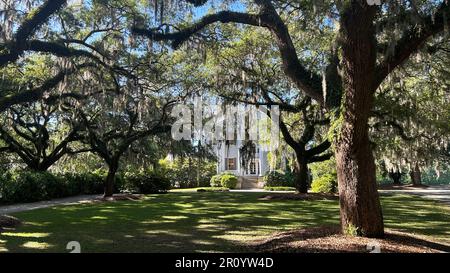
247 151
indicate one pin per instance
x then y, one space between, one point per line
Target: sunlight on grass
25 234
168 232
36 245
158 221
202 242
99 218
104 241
201 222
174 217
2 246
38 224
240 237
211 227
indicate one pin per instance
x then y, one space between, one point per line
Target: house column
259 162
238 159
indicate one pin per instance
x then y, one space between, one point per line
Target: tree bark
416 175
359 201
301 177
396 177
110 179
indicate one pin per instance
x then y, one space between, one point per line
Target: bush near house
216 180
279 179
146 182
229 181
29 186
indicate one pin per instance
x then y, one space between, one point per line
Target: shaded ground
329 239
201 222
7 221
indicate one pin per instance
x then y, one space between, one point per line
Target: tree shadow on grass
182 222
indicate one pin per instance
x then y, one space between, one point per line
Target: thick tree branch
37 93
322 147
412 40
310 83
33 21
320 158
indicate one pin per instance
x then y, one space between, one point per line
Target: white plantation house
254 128
249 168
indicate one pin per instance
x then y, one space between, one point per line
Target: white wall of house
229 160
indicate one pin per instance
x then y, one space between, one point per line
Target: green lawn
199 222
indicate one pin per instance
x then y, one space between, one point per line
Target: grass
199 222
279 188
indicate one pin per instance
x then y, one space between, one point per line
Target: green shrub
216 180
324 184
279 179
320 169
146 182
229 181
85 183
29 186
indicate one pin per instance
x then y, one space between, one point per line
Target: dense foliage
279 179
229 181
225 180
146 182
30 186
324 177
189 172
324 184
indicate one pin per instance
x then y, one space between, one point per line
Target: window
253 167
230 164
232 142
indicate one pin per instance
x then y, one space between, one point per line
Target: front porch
250 182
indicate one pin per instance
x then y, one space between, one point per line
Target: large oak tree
356 69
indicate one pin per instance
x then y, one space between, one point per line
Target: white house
230 159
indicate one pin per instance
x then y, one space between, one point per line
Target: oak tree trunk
396 177
359 201
416 175
301 177
110 178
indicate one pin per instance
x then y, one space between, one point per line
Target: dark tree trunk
359 201
110 179
396 177
416 175
37 168
301 177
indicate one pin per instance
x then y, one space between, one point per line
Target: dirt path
439 193
45 204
